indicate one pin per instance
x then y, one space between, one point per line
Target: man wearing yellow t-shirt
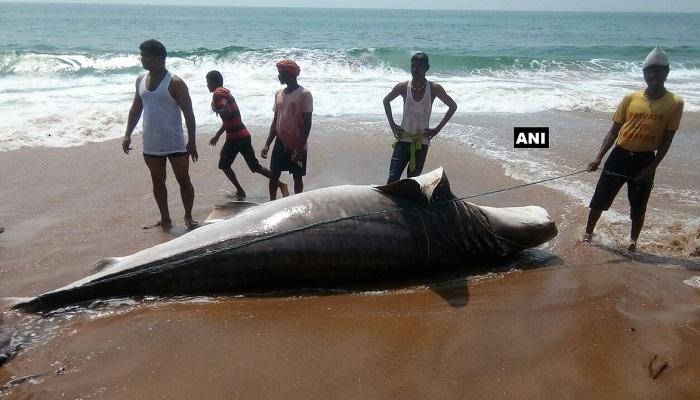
642 131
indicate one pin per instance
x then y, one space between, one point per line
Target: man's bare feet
633 246
238 195
284 189
164 225
191 224
587 237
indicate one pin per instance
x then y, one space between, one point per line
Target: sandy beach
567 321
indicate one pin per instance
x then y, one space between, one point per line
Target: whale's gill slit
427 239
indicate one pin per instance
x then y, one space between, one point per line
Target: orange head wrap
289 66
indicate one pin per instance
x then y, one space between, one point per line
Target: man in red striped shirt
237 135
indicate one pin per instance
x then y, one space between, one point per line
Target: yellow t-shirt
645 121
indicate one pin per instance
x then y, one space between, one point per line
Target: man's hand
126 144
593 165
192 150
646 175
395 129
214 140
296 155
263 152
430 133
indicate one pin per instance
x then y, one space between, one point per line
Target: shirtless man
164 98
414 134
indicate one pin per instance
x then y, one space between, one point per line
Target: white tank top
416 114
162 120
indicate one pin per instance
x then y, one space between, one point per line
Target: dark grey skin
333 236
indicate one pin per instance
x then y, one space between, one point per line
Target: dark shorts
630 164
232 148
281 160
400 159
180 154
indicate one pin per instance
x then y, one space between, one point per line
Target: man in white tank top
163 99
414 134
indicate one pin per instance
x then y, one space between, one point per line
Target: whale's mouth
522 227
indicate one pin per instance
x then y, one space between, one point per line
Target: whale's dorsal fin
427 188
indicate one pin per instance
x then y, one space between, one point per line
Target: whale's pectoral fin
430 187
229 209
7 303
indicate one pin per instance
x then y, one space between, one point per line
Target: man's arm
608 141
270 137
398 90
216 136
648 172
182 97
449 102
134 116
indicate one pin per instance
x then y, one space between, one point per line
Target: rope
523 185
541 181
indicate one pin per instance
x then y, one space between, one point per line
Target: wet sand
565 321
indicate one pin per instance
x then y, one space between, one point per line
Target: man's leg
228 171
637 225
298 183
606 189
399 160
274 183
593 217
228 154
255 167
156 166
638 196
281 185
420 162
181 169
279 161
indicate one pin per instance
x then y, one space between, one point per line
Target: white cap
656 57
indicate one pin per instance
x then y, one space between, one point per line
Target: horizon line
340 8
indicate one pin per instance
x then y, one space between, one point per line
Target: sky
514 5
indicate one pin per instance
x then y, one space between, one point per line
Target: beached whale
332 236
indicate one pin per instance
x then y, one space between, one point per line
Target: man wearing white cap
642 131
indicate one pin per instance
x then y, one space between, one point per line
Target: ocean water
67 70
67 75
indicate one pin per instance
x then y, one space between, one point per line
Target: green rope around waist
416 145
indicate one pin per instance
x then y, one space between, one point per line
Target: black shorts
281 160
630 164
232 148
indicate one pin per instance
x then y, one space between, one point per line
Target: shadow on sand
647 258
453 286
